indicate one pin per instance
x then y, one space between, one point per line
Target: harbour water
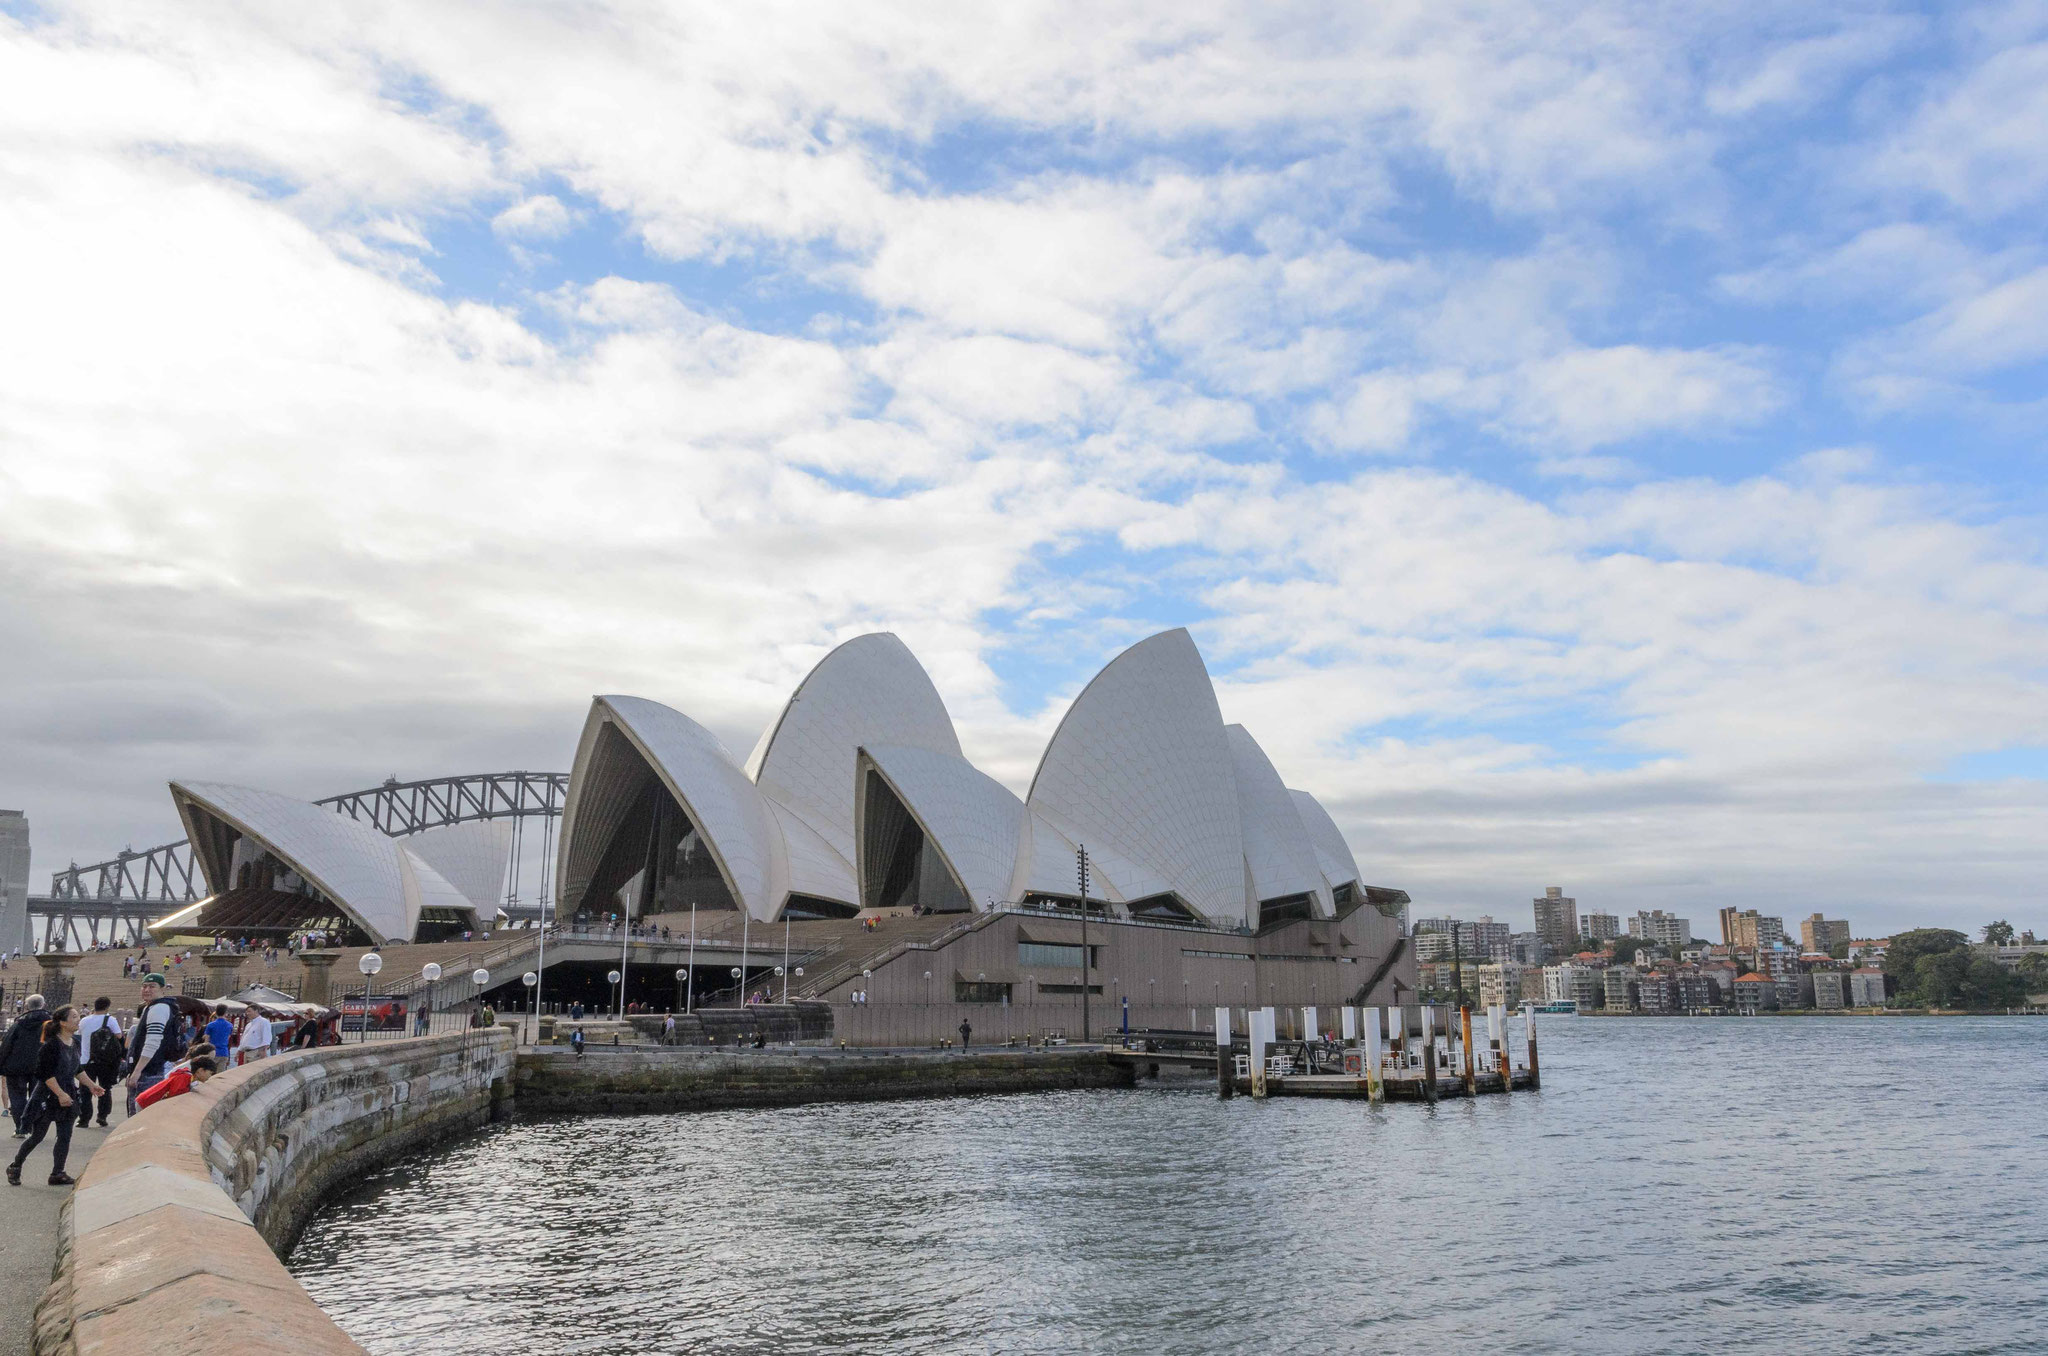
1819 1185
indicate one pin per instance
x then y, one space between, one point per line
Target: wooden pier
1420 1054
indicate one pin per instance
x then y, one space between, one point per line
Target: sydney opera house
857 833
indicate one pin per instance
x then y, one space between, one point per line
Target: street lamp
370 964
782 973
431 973
613 977
739 985
531 979
682 991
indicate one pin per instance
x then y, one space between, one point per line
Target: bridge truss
125 892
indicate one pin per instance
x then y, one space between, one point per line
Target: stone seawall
629 1079
171 1241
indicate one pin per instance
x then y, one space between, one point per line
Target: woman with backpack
55 1099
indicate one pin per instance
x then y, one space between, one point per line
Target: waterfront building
1867 950
2011 955
276 867
1831 990
1656 995
1599 927
1535 984
1721 975
1694 991
1661 929
1822 934
1866 988
1755 993
14 921
1619 983
1557 921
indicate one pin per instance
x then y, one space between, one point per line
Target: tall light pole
531 979
783 969
540 970
431 973
746 921
625 940
370 964
682 989
690 991
1081 855
782 973
614 977
739 979
867 997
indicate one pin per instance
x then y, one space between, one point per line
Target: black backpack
171 1048
106 1048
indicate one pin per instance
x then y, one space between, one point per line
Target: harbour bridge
125 892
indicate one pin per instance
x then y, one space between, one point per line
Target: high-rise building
1599 927
1823 934
1557 921
1748 928
1442 939
1659 928
14 924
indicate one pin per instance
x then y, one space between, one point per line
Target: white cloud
541 217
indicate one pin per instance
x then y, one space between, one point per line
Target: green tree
1626 949
2033 972
1904 951
1998 933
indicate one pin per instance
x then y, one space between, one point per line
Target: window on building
1056 955
1066 988
980 991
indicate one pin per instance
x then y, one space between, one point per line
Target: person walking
668 1030
56 1095
18 1052
965 1032
99 1053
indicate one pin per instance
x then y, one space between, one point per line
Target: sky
1592 445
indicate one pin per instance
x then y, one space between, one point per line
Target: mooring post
1347 1025
1374 1089
1496 1041
1428 1053
1226 1077
1257 1036
1471 1063
1529 1024
1309 1030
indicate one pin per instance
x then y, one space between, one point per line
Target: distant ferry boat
1564 1008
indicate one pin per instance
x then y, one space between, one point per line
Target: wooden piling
1471 1065
1529 1024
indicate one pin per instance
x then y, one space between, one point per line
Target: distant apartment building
1830 990
1749 929
1721 975
1695 992
1822 934
1557 921
1533 985
1432 944
1526 949
1599 927
1755 993
1500 982
1619 981
1866 988
14 920
1656 994
1475 941
1569 982
1659 928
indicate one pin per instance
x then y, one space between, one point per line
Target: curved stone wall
171 1241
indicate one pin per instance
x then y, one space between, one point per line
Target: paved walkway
28 1235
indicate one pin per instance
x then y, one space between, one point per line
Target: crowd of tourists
61 1066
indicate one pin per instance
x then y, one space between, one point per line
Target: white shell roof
735 822
1333 855
472 857
869 691
814 868
1277 847
1140 770
369 876
975 821
1049 864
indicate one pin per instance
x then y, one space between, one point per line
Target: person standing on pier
55 1099
966 1031
18 1060
100 1051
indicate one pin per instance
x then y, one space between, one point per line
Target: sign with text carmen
377 1012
